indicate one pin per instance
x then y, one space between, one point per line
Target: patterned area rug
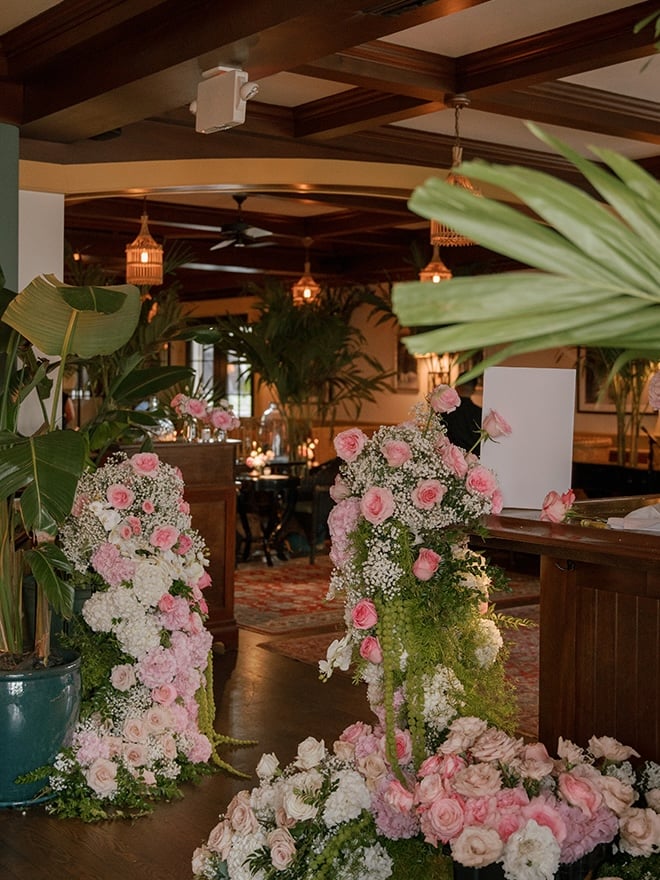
290 596
522 665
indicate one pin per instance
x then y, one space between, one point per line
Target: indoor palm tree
311 357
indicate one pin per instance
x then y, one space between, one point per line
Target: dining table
269 500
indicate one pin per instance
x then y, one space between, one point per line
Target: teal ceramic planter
38 712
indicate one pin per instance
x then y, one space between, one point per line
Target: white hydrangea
440 697
242 846
152 579
348 800
490 642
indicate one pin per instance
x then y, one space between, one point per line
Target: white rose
310 753
267 766
296 808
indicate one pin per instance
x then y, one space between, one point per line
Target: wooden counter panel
599 655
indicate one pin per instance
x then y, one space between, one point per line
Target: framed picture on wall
407 367
592 374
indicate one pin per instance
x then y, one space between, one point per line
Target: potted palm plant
311 358
39 472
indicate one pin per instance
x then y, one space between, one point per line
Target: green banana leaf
597 262
59 319
47 468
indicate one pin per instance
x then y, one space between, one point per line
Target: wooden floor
259 695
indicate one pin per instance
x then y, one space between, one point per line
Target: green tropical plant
598 263
311 357
39 471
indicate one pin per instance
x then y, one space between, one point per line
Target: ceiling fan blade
222 244
255 232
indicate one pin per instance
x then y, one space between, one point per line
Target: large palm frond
598 262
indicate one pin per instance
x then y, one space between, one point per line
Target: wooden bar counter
600 625
208 473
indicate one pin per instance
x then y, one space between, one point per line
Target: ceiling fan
240 233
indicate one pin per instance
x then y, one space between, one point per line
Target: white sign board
537 456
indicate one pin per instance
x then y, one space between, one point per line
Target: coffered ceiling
353 110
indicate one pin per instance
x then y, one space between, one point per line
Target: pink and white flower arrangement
142 639
482 798
406 499
198 412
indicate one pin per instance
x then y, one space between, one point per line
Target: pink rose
196 408
349 444
241 814
477 780
443 820
580 792
403 745
102 776
444 399
377 505
497 501
543 810
454 459
184 544
476 847
536 762
343 518
164 694
145 464
398 797
495 426
481 481
364 614
148 506
222 419
220 839
426 564
164 537
611 749
640 832
122 677
555 506
428 493
282 848
654 391
370 650
119 496
396 452
136 754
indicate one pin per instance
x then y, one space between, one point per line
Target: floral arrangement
439 778
259 459
146 720
416 596
482 798
196 414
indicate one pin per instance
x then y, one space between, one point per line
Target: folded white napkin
644 519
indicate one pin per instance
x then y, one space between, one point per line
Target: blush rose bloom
495 425
377 505
428 493
282 848
364 614
580 792
349 444
398 797
371 650
555 506
454 458
396 452
481 481
101 777
145 464
444 399
476 847
640 832
611 749
426 564
220 839
443 820
164 537
119 496
122 677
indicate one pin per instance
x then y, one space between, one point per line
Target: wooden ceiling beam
575 48
574 106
